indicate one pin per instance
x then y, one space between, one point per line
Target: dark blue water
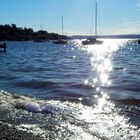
84 86
44 70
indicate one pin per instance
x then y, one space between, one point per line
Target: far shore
124 36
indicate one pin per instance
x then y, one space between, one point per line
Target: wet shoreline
10 132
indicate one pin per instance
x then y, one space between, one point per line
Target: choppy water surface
72 91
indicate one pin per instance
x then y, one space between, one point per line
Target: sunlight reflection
102 118
101 66
86 82
102 106
102 101
104 78
100 59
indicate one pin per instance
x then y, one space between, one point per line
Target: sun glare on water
100 60
103 118
101 67
100 57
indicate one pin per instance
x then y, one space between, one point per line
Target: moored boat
60 41
92 41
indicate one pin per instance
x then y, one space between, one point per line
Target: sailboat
92 41
61 41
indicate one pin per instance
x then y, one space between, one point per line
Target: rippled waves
87 92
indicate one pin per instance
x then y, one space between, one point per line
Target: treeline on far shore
14 33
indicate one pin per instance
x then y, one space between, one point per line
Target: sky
114 16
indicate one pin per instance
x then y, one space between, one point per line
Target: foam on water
66 120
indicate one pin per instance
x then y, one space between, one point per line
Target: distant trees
14 33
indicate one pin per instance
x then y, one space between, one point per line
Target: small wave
127 101
36 84
125 87
30 104
65 119
43 109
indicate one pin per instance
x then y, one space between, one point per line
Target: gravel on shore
8 132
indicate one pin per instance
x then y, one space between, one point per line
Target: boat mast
96 19
62 24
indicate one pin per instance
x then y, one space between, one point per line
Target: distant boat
39 40
61 41
92 41
3 46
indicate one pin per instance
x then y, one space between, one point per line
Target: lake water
72 91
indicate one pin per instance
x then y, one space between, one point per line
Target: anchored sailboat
61 41
92 41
